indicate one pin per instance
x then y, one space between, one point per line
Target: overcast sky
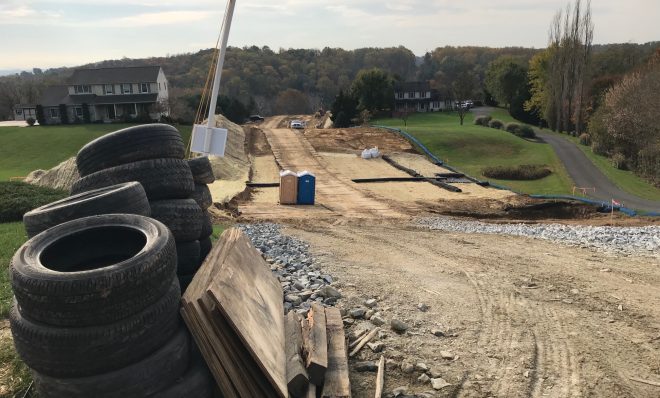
50 33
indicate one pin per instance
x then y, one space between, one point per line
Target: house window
108 89
159 87
19 111
79 112
411 94
400 95
165 86
54 112
82 89
126 88
144 88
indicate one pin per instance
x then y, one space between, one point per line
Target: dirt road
334 194
529 318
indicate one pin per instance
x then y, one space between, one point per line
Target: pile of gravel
289 258
621 240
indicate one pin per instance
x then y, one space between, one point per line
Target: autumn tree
506 79
292 102
374 90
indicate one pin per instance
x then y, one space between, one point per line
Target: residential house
412 97
109 94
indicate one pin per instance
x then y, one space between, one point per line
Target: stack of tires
202 175
96 309
152 155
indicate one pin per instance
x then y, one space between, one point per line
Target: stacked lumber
234 310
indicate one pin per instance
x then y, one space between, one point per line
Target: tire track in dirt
529 340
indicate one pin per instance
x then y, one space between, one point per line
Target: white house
418 97
108 94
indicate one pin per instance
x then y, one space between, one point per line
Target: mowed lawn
471 148
24 149
624 179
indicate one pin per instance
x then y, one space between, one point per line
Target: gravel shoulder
525 317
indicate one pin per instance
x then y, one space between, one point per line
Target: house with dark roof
410 97
106 94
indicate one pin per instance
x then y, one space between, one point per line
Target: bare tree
463 89
571 38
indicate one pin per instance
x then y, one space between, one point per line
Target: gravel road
624 240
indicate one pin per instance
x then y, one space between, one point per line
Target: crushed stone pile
291 262
61 176
620 240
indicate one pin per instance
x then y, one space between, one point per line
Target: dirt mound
231 171
61 176
356 139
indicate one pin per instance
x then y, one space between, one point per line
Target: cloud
154 19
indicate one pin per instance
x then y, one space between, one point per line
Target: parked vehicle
256 118
297 124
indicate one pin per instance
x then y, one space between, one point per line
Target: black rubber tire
92 350
128 198
160 178
150 141
144 378
102 269
202 170
182 216
207 226
202 196
197 382
184 281
205 246
187 257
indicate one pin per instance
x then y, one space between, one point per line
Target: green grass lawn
624 179
14 375
24 149
470 148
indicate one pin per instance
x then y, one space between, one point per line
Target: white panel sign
209 140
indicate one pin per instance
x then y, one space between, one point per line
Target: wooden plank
380 378
296 375
337 383
364 341
250 299
241 369
315 344
198 326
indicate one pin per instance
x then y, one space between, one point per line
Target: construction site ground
523 317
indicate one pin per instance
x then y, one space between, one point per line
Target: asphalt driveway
585 174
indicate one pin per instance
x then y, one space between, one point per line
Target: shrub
17 198
619 161
512 128
585 139
39 110
526 132
30 121
598 148
522 172
496 124
482 120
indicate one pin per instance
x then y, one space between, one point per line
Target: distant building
412 97
109 94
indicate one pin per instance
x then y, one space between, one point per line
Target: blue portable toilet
306 188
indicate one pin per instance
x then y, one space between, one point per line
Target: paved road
585 174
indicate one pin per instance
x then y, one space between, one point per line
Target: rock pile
290 260
620 240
